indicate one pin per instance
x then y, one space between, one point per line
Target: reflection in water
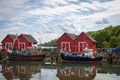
63 71
22 72
77 73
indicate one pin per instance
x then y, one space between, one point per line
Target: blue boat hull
74 58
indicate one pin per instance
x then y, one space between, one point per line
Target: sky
46 20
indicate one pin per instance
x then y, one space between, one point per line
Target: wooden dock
52 57
108 58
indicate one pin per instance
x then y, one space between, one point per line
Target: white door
22 46
81 46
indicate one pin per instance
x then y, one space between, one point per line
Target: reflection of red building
19 72
71 42
76 73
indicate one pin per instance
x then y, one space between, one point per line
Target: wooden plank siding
21 42
76 43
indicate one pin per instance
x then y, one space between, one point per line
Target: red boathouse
74 43
21 42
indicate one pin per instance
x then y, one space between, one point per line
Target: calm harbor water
62 71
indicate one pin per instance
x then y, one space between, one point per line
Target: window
22 46
65 46
81 46
8 45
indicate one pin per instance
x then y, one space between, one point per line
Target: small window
8 45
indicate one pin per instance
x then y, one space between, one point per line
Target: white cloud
13 27
54 17
53 11
9 8
54 2
41 38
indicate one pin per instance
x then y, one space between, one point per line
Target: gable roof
29 38
72 36
89 37
12 36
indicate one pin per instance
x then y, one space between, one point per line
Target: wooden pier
52 57
110 58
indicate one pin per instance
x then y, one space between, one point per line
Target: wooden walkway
109 58
53 57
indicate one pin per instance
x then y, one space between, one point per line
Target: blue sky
49 19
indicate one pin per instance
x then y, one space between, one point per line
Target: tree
103 36
113 41
51 43
108 37
118 41
106 44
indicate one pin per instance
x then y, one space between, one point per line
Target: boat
25 56
17 57
86 57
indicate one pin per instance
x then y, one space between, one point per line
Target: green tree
106 44
115 31
51 43
102 37
118 41
113 41
108 37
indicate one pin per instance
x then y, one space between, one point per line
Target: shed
76 43
25 41
65 41
8 41
21 42
84 40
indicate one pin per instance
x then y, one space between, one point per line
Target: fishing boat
25 56
86 57
17 57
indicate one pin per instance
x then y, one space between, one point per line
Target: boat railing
26 52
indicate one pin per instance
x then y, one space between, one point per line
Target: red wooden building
74 43
8 41
21 42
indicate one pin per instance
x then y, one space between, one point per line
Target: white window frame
79 45
9 43
65 45
20 46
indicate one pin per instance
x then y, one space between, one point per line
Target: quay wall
110 55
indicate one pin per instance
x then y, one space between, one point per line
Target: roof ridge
72 35
29 38
89 37
13 36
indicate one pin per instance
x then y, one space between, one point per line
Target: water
62 71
